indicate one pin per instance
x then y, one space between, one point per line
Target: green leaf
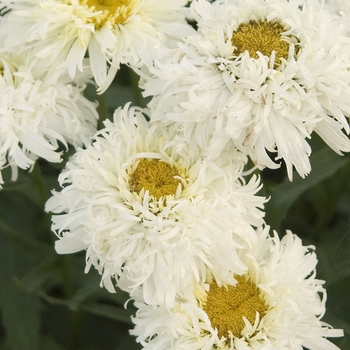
341 272
30 185
47 343
24 242
90 286
128 342
113 312
110 311
20 316
324 163
338 311
20 310
39 275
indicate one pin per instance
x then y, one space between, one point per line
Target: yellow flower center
264 37
154 176
113 11
226 306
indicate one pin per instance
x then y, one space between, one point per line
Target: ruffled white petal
39 109
284 270
64 32
268 113
160 244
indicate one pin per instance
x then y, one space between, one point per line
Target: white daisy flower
39 109
262 74
110 31
151 214
338 6
276 305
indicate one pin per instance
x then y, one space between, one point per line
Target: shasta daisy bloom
111 32
263 75
338 6
148 213
39 108
276 305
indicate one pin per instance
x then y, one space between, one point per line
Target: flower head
39 108
111 32
263 75
152 214
277 305
338 6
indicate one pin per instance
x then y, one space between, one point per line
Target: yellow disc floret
264 37
113 11
155 176
226 306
